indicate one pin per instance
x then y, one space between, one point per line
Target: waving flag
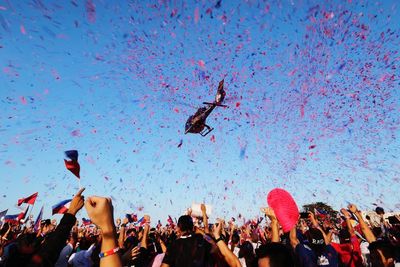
29 200
2 214
38 219
320 213
141 221
86 221
72 164
11 218
61 207
131 217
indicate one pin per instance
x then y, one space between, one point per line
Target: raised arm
146 229
228 255
274 223
316 225
347 217
205 218
100 211
55 242
294 241
364 227
122 232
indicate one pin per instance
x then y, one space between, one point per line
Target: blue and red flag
131 217
86 221
62 207
36 226
72 164
141 221
29 200
12 218
320 213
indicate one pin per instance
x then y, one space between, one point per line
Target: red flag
30 200
73 166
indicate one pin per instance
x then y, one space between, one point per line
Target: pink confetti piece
76 133
23 100
90 11
22 28
196 15
202 64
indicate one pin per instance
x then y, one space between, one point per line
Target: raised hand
77 202
269 212
353 208
345 213
100 211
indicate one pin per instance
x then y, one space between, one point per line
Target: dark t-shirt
308 258
191 251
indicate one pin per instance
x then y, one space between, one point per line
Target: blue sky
312 90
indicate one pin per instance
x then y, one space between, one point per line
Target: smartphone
304 215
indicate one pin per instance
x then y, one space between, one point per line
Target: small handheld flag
62 207
29 200
38 219
131 217
86 221
72 164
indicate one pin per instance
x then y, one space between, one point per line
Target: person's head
185 224
26 243
246 250
380 211
382 253
344 236
274 255
47 226
235 239
73 238
316 240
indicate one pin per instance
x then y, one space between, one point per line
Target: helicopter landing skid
206 131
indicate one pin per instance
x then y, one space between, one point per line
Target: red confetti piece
212 139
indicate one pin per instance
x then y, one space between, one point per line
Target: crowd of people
344 240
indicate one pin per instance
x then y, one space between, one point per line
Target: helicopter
197 123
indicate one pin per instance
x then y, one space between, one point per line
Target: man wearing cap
313 252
